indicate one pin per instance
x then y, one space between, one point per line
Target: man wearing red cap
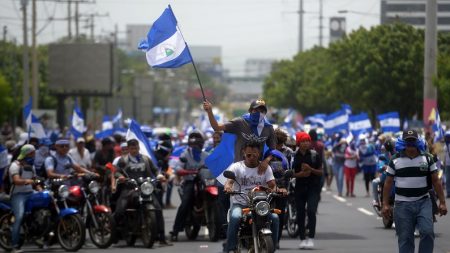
307 166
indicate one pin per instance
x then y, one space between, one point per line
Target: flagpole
190 55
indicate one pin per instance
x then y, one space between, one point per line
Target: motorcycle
47 219
291 217
97 218
140 218
254 231
205 210
387 221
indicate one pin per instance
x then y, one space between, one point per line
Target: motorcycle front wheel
103 236
266 244
71 232
5 231
149 231
214 225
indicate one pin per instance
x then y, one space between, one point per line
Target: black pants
185 207
224 205
307 199
281 203
157 202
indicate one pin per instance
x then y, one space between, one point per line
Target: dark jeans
169 192
281 203
224 205
307 200
185 207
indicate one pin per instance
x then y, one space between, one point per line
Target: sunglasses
250 155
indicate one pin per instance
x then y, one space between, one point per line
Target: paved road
344 225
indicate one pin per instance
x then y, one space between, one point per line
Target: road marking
340 199
365 211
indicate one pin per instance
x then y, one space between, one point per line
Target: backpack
8 185
42 172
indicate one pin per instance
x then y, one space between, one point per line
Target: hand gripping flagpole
190 55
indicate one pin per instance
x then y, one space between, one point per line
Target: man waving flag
165 46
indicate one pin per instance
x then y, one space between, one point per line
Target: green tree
7 102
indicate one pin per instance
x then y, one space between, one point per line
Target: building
209 60
413 12
258 68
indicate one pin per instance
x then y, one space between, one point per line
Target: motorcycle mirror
229 174
288 174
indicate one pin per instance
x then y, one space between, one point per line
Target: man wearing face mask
249 127
21 174
192 158
41 154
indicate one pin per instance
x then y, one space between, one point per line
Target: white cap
81 139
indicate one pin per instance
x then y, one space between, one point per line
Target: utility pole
5 32
300 32
26 70
34 60
77 19
91 26
320 23
69 18
430 69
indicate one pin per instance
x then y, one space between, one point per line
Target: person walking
338 153
368 162
350 168
307 166
415 173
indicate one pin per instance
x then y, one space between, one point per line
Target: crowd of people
261 156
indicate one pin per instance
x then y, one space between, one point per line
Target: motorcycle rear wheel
149 231
104 236
71 232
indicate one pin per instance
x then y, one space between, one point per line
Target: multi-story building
413 12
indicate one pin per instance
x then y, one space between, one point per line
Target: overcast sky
243 28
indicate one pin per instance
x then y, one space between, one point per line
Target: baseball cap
25 150
410 135
258 103
80 139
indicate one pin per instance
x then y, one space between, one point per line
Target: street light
358 12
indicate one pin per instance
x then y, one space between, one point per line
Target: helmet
195 138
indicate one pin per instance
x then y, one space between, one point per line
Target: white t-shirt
84 161
248 178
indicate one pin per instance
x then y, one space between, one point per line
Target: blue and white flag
287 122
34 126
389 122
117 120
317 120
222 157
134 132
107 123
359 124
347 108
165 46
437 127
77 127
336 122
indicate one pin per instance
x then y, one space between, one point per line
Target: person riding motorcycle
193 158
134 166
387 151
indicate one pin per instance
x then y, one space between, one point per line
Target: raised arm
207 106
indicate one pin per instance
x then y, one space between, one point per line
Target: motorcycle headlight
147 188
94 187
262 208
63 191
210 182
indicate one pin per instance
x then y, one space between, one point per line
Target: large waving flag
165 46
336 122
389 122
317 120
134 132
359 124
437 126
34 126
221 157
78 127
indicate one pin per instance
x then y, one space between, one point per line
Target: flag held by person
165 46
336 122
134 132
222 157
389 122
359 124
33 124
77 127
437 126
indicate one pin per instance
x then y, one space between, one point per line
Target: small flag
165 46
107 123
389 122
78 127
134 132
437 127
316 120
34 126
117 120
359 124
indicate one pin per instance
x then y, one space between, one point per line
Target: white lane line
340 199
365 211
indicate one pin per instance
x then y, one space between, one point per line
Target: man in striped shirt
414 171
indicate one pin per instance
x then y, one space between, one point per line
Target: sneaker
303 244
173 236
310 243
